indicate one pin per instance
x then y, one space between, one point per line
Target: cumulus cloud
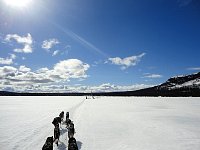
24 69
19 76
8 60
42 70
126 62
61 72
147 75
26 41
48 44
71 67
55 52
7 71
106 87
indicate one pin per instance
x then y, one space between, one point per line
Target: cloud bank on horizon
128 46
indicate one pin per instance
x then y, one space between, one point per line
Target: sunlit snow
103 123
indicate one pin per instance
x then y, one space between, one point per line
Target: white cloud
153 75
126 62
106 87
26 41
71 67
13 56
61 72
8 60
48 44
26 49
194 68
55 53
24 69
7 71
42 70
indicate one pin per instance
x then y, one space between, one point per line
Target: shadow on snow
79 144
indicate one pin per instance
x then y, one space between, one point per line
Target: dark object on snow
72 145
67 115
48 145
56 134
71 130
61 115
68 121
71 125
56 121
71 133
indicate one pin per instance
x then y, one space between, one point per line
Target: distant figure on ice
48 145
72 145
56 134
61 115
56 121
67 115
92 95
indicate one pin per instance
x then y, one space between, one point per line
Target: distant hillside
187 81
185 85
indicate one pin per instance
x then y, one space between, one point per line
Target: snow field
26 121
105 123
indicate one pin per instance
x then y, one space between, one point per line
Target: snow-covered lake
105 123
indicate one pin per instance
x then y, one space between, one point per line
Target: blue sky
107 45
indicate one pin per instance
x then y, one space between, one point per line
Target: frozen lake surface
105 123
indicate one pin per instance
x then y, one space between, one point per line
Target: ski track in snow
105 123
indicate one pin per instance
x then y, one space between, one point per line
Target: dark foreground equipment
68 121
71 130
67 115
72 145
56 134
61 115
48 145
56 121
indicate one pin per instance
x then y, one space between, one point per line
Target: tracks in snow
73 109
74 115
